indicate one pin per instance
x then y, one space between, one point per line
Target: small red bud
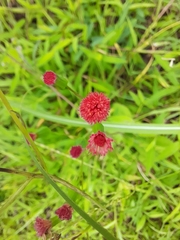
64 212
49 77
76 151
42 226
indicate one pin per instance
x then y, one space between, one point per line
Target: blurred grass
120 49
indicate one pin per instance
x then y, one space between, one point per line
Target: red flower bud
64 212
99 144
49 78
42 226
33 137
76 151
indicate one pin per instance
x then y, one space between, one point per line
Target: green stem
21 127
135 128
75 93
56 179
13 171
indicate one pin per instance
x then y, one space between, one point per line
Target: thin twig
56 179
62 96
165 9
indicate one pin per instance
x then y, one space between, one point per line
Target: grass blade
141 128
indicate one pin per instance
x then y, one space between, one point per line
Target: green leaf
173 213
141 223
133 33
162 62
120 113
98 127
155 214
14 196
162 93
48 56
128 128
100 57
61 82
135 98
113 59
141 5
105 87
168 151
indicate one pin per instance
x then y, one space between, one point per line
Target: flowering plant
94 109
91 109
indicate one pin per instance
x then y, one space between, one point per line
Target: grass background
120 48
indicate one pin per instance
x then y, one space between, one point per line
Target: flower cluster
43 226
93 109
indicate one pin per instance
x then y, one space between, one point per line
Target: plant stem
134 128
75 93
56 179
20 125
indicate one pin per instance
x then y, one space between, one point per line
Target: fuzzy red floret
64 212
99 144
33 137
94 108
42 226
76 151
49 77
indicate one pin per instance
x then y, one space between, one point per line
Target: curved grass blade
124 128
15 195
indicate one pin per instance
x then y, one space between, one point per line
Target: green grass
122 50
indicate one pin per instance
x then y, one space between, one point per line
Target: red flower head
49 78
33 137
42 226
64 212
94 108
76 151
99 144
